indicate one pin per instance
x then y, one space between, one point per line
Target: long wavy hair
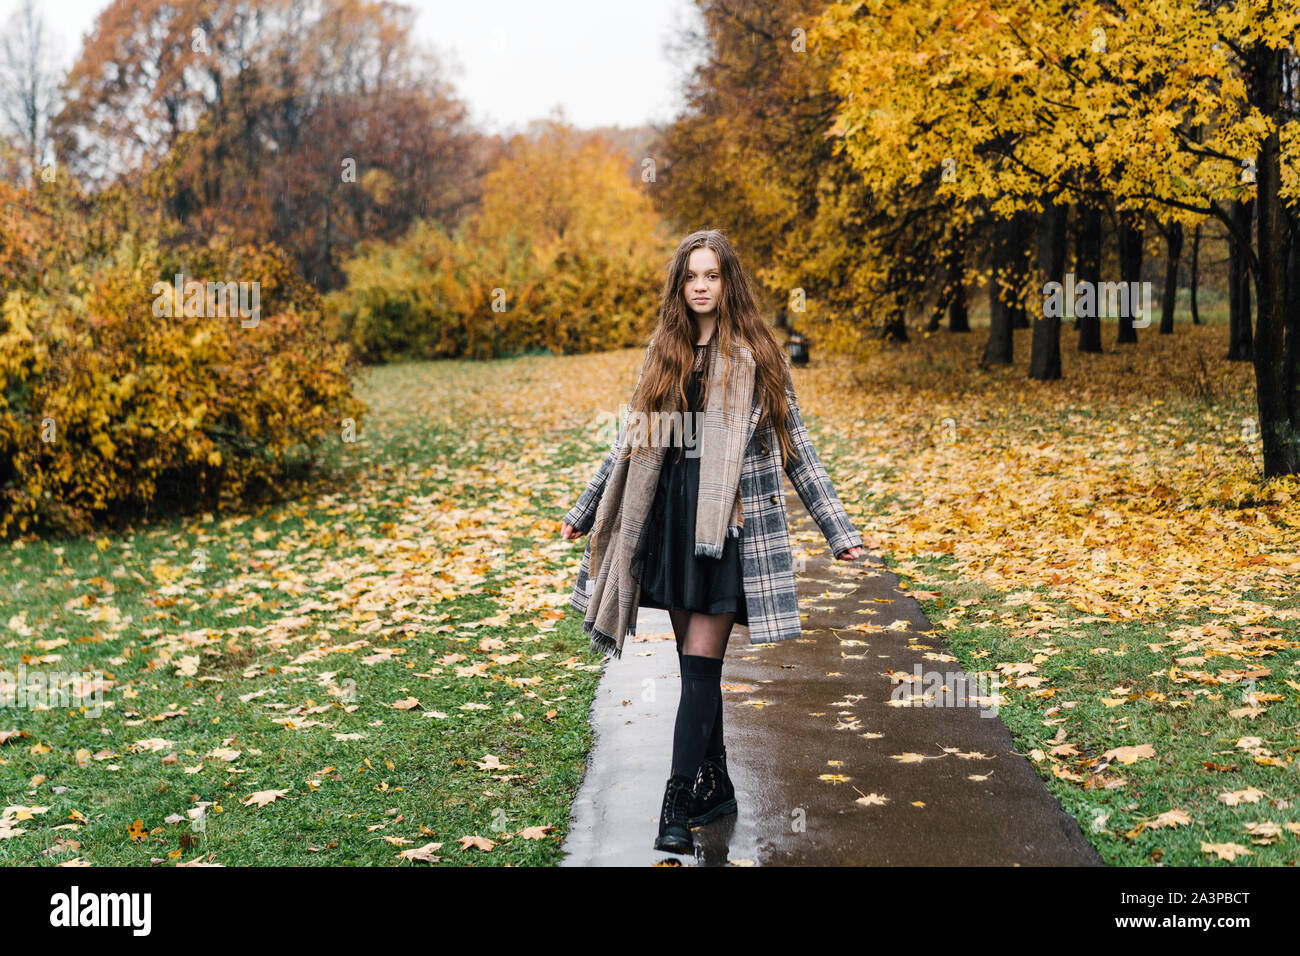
737 322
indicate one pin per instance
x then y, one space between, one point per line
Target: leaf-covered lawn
392 667
382 669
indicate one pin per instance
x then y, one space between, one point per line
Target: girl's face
703 281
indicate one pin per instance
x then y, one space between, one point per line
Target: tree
1092 84
313 124
28 84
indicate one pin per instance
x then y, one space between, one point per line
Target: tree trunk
958 313
1173 255
936 314
1000 347
1195 278
1088 257
1025 223
1240 346
1130 271
1277 358
1077 228
895 329
1291 351
952 297
1045 354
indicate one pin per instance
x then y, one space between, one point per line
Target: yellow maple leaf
263 797
1225 851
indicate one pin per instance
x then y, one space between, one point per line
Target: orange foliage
566 254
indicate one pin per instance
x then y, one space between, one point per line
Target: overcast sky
603 61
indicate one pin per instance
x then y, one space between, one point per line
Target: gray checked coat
771 600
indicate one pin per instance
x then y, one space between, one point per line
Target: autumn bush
418 297
107 409
565 254
431 295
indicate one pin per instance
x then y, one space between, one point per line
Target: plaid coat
771 599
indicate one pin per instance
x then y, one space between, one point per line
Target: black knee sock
714 749
715 739
701 691
716 743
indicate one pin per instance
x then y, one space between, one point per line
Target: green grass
366 559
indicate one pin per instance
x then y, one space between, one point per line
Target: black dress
671 574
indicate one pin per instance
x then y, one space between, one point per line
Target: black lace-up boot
674 832
714 796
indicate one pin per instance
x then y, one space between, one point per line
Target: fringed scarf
613 582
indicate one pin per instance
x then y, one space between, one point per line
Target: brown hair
737 322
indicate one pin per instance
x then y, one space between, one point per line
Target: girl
693 521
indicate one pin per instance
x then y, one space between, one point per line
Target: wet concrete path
813 743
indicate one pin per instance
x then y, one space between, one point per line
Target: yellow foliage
565 254
106 408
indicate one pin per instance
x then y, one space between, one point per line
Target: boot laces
676 800
707 781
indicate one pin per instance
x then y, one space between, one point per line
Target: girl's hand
568 532
849 555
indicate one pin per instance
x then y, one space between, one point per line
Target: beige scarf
613 583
